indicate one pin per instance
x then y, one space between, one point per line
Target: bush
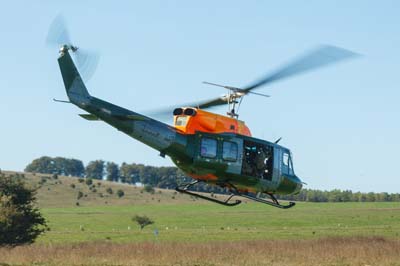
81 180
72 186
43 180
149 189
89 181
80 195
109 190
142 221
55 176
120 193
20 221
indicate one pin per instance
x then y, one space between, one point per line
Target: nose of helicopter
299 186
290 184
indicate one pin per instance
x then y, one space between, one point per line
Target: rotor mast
234 98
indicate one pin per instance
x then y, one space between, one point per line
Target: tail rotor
58 36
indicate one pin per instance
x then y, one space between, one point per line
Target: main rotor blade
259 94
320 57
165 112
317 58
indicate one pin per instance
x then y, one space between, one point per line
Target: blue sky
341 122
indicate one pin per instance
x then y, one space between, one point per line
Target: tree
120 193
112 170
142 221
95 169
44 165
129 173
57 165
20 221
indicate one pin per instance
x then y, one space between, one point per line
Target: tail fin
76 89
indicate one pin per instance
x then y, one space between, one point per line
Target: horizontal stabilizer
89 117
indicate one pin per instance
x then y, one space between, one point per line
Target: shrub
80 195
55 176
20 221
120 193
89 181
81 180
142 221
72 186
149 189
109 190
43 180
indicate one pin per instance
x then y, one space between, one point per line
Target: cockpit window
285 159
181 121
208 148
291 171
287 163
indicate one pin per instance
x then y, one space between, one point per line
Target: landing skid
274 202
184 188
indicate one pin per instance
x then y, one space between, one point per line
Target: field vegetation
186 231
325 251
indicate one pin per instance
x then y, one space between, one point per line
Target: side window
229 151
208 148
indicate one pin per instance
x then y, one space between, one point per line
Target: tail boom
153 133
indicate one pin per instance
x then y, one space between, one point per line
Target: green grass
180 218
203 222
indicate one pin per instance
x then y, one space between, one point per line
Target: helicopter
208 147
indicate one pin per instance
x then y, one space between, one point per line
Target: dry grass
328 251
59 193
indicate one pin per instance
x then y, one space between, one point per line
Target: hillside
63 192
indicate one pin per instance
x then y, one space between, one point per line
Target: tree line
170 177
337 195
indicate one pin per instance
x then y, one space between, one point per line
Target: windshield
287 164
291 170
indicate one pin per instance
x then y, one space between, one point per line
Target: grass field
192 232
204 222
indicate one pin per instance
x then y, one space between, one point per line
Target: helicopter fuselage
201 147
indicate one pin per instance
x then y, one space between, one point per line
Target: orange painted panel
212 123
